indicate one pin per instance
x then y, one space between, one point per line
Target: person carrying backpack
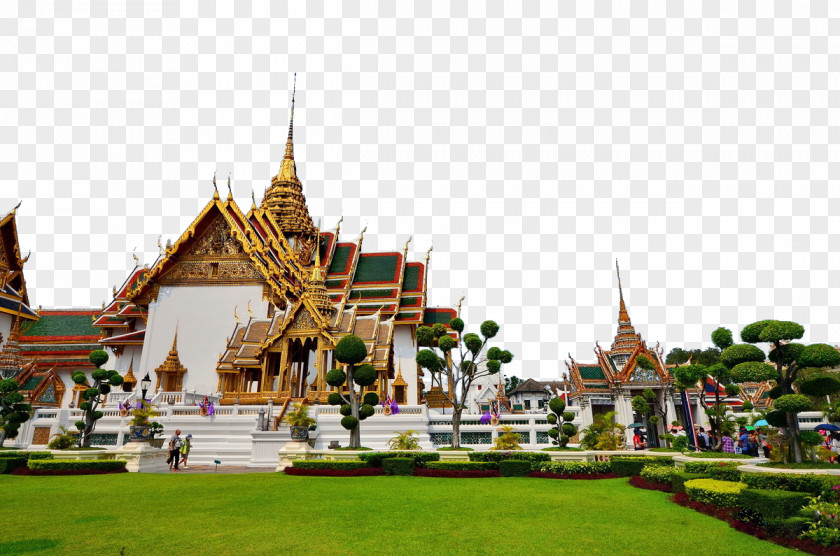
185 450
175 444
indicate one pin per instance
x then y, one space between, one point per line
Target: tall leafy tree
511 383
455 366
696 374
94 396
787 359
350 351
13 411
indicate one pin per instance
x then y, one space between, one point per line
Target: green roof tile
380 268
591 372
32 383
434 317
62 325
339 260
411 281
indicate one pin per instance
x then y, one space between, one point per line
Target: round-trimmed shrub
456 324
494 353
506 357
427 359
336 377
741 353
98 357
335 399
345 409
439 330
557 405
776 418
350 350
551 418
819 355
493 367
489 328
472 342
349 422
446 343
365 375
820 384
371 398
793 403
569 429
366 411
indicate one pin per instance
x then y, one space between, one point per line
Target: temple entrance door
301 365
399 394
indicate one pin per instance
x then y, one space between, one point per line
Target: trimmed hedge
76 464
720 455
795 482
7 454
8 464
450 473
724 494
575 467
514 468
679 479
374 459
532 457
658 474
398 466
774 504
787 527
462 465
343 465
705 466
627 466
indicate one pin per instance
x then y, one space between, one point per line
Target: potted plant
299 421
140 428
155 429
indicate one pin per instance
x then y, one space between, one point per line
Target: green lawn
275 513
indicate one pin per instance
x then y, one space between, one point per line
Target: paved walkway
224 469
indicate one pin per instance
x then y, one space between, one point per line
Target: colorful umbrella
762 423
827 427
635 426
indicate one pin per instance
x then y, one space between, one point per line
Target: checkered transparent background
531 144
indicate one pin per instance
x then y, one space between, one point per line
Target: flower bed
803 465
639 482
336 465
324 472
658 474
448 473
463 465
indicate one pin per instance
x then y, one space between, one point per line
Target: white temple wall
404 360
204 319
5 327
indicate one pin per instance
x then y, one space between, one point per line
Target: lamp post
144 386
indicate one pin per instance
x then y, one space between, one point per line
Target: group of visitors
179 450
748 442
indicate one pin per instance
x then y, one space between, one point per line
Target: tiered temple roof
618 365
119 321
61 339
14 299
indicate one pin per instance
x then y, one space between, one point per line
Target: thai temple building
244 311
611 382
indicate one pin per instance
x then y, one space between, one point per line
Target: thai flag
495 408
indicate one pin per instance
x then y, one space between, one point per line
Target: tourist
703 439
753 440
835 445
637 440
744 442
185 450
728 443
175 444
765 446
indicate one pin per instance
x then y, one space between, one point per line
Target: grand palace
245 308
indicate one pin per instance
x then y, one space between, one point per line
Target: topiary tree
350 351
102 382
812 439
562 419
648 406
696 375
459 364
788 358
13 411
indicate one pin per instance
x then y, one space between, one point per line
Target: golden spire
215 189
172 363
253 200
622 309
230 191
463 297
288 172
626 339
129 377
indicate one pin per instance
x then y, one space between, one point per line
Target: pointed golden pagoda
316 290
171 372
626 338
10 359
129 377
285 199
